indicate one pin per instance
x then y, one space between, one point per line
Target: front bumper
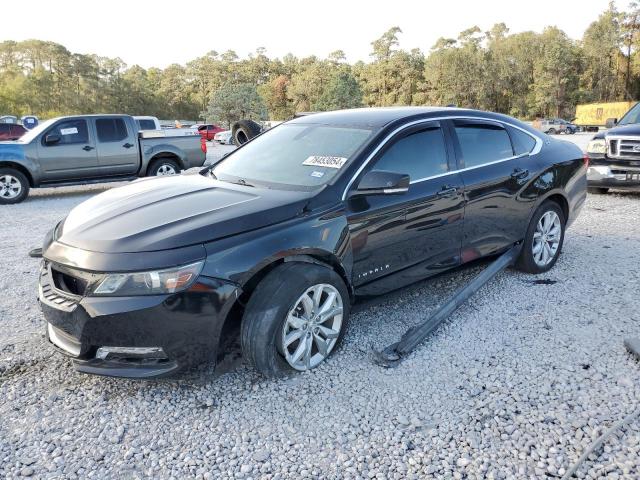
613 177
138 336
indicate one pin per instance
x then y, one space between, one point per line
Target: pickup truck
614 155
86 149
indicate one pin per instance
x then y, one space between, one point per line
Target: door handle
519 173
128 145
447 191
87 148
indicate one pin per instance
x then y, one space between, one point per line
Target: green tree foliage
524 74
236 101
342 91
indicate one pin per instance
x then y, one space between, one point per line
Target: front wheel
543 240
14 186
552 131
295 319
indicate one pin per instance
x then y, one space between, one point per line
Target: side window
420 154
5 128
202 128
522 142
70 132
482 143
111 129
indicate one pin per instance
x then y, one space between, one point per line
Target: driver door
398 239
73 156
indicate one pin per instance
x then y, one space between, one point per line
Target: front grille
53 296
68 283
624 148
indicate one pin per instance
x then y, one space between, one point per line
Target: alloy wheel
546 238
10 186
166 169
312 327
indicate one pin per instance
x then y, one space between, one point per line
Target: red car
12 131
207 131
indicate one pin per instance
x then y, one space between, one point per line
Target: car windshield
34 132
293 155
632 116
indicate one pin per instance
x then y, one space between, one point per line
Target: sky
161 32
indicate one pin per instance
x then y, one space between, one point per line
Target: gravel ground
516 384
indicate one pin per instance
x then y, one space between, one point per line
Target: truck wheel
14 186
244 130
295 319
163 166
598 190
543 240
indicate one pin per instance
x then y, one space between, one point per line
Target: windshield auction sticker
322 161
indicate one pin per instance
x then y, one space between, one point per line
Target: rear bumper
138 337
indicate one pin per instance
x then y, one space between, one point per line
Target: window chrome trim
536 149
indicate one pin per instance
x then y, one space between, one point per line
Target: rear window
5 128
146 124
483 143
522 142
111 129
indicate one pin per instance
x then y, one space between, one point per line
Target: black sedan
280 237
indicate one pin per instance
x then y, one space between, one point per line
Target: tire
276 300
163 166
598 190
244 130
14 186
551 131
531 261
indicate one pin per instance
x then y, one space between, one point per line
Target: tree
233 102
342 91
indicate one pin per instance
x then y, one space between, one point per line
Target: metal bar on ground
392 355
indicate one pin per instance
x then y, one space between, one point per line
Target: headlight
154 282
597 146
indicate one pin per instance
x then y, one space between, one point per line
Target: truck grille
624 147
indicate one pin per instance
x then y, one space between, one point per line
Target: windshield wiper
243 182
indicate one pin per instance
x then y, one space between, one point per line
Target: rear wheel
14 186
543 240
295 319
163 166
552 131
598 190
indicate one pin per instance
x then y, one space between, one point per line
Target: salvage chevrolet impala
281 236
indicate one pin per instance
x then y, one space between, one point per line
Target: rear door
73 156
117 151
496 170
421 228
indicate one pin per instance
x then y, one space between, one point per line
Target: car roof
381 116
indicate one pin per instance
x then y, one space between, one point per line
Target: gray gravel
515 385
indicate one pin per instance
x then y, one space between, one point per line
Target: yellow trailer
592 116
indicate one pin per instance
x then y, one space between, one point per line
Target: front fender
324 237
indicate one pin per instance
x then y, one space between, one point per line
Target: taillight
203 145
585 159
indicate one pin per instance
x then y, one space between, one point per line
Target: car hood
175 211
633 129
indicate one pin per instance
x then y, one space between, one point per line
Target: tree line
524 74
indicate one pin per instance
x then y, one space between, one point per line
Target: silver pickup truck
91 149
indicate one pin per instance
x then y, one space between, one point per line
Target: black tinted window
5 128
111 129
70 131
522 142
482 144
146 124
420 154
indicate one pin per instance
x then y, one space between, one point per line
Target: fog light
147 353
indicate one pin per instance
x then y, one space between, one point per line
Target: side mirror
611 122
383 183
52 139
